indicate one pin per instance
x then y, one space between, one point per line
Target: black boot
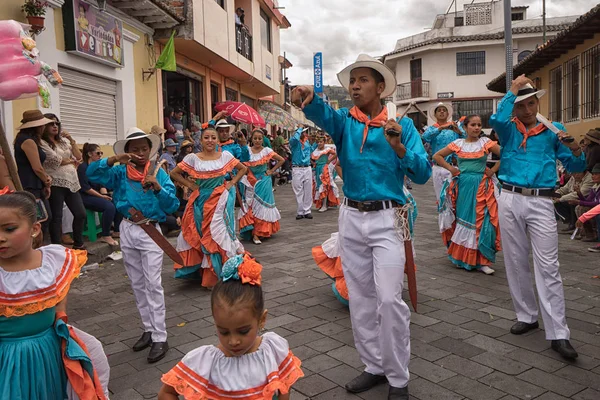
158 351
144 342
564 348
523 327
398 393
364 382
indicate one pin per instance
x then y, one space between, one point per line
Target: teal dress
259 215
324 188
31 359
468 208
208 236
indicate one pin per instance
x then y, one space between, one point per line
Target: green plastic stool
91 229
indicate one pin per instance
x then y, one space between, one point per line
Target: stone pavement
461 347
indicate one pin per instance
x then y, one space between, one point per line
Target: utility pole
508 43
544 21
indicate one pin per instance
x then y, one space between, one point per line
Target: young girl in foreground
244 365
41 357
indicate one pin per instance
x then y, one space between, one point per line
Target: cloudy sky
342 29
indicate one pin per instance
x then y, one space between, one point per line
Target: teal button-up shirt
128 193
377 173
533 167
301 152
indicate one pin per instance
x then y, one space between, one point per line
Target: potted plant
35 11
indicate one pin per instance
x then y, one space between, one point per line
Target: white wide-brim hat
222 123
528 91
366 61
134 134
431 112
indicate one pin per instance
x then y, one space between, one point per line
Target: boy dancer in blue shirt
528 173
375 159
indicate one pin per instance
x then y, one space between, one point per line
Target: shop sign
92 33
318 72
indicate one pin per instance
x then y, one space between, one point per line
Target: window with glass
590 71
483 108
221 3
470 63
231 95
571 79
556 99
265 30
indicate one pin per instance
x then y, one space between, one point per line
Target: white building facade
464 50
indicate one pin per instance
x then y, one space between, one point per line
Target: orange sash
527 134
135 175
230 141
377 122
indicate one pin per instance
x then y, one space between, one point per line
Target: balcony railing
413 90
243 41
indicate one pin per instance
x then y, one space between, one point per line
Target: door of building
184 93
416 78
88 107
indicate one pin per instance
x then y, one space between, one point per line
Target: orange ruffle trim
265 229
191 171
477 154
331 266
86 387
206 391
50 296
262 161
327 194
342 288
468 256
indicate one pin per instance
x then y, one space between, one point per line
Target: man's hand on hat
519 82
125 158
302 96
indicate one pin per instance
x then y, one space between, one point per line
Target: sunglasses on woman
99 153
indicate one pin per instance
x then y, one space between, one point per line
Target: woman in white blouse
62 158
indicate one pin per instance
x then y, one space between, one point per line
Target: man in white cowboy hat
440 134
376 152
302 181
136 187
526 211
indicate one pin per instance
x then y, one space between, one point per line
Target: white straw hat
366 61
137 133
528 91
433 108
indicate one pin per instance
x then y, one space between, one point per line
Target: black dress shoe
144 342
564 348
364 381
299 216
308 216
158 351
523 327
398 393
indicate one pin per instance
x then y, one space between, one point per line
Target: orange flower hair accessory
5 190
243 268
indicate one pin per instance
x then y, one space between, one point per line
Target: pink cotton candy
15 67
10 29
23 86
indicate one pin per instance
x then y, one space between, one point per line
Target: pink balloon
16 88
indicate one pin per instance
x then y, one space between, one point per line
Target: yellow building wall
577 128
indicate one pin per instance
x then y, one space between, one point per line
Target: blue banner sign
318 70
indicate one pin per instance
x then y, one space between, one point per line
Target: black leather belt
529 192
368 206
300 166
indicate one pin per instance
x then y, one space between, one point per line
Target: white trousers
534 216
143 261
439 176
373 261
302 184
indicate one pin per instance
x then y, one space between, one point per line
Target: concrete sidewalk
461 345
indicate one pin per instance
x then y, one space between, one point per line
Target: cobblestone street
461 345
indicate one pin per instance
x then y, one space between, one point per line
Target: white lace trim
219 230
262 154
465 237
331 246
263 213
472 147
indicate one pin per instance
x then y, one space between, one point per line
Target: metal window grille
591 82
571 77
483 108
470 63
556 99
478 14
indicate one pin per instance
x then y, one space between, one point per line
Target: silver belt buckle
362 206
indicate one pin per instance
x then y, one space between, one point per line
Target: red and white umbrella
241 112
